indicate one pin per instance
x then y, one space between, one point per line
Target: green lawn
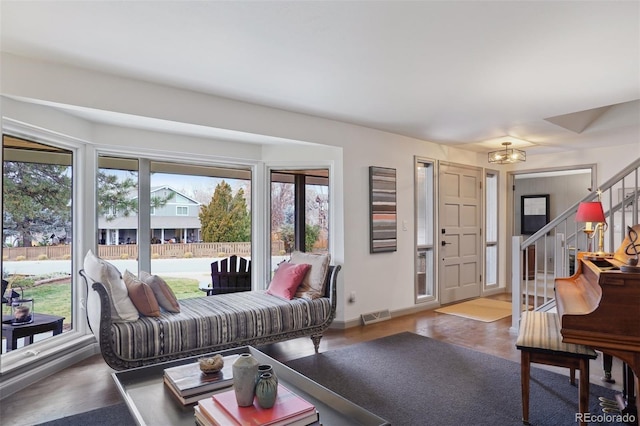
55 298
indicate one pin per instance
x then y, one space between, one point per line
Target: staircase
562 238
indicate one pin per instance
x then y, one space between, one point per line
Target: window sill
24 366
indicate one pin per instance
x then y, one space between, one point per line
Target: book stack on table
189 384
222 409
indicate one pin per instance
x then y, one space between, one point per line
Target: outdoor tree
37 200
311 233
118 197
225 218
114 195
282 199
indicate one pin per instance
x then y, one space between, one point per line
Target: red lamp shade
590 211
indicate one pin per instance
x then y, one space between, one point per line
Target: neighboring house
175 221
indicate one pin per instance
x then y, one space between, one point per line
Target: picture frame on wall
382 208
534 213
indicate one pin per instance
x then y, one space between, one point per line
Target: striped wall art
382 198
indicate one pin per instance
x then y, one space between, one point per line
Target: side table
41 324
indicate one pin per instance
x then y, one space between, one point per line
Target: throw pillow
287 279
99 270
141 295
312 285
165 296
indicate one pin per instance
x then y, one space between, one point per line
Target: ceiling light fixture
507 155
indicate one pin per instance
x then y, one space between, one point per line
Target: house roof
159 188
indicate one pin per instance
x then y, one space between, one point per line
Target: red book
288 406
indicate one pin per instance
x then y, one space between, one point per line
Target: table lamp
591 212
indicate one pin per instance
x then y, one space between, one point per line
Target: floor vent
375 317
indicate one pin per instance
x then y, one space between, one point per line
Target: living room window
194 214
424 218
37 234
299 212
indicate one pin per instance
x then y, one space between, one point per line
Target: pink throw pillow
287 279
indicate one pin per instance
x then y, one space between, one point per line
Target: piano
599 306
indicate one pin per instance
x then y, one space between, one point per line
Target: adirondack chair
230 275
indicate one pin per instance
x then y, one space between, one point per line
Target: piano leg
607 361
627 400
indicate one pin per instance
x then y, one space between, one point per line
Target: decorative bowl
210 365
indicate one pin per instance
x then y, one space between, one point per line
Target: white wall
381 281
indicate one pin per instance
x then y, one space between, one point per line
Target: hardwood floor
88 384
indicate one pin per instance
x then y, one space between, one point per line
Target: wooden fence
130 251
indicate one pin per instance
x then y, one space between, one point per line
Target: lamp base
597 256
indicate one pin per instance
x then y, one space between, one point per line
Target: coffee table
151 402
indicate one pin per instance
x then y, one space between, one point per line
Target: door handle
444 243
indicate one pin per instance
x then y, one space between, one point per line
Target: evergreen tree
114 196
118 197
37 200
225 218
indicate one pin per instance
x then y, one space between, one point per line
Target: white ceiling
466 73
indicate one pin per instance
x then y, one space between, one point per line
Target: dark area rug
410 379
107 416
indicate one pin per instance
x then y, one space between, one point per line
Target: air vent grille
372 317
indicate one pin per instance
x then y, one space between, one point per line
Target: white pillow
122 308
312 285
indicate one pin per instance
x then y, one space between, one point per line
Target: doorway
460 209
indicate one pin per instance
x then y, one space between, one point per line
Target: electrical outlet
352 297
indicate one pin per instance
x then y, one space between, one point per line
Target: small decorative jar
245 369
265 368
267 390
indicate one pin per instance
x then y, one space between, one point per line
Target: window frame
276 167
491 241
428 248
47 349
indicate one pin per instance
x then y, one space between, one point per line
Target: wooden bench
540 341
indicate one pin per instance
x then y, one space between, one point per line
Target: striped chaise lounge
206 324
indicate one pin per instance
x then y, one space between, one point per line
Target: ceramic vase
245 369
267 390
265 368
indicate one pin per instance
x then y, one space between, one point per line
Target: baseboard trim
494 291
19 379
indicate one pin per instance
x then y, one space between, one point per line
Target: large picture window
299 212
37 232
196 215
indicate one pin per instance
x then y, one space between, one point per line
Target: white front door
460 232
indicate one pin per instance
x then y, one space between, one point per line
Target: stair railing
559 242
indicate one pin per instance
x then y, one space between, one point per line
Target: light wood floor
88 384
